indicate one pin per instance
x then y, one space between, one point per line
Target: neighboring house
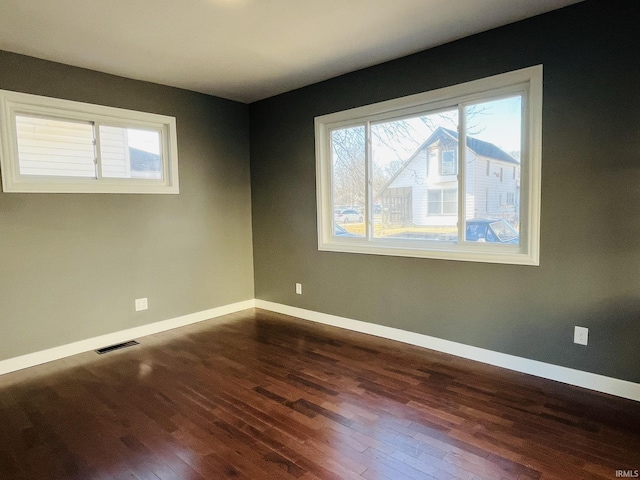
425 190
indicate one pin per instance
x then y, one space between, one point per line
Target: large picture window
53 145
426 173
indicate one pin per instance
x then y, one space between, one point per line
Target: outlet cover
299 288
581 335
142 304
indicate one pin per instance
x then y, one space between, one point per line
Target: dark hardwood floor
257 395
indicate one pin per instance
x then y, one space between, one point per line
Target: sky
501 124
497 122
146 140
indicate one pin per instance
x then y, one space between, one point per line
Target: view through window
51 145
414 174
441 178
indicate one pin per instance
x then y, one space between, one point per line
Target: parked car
348 215
491 231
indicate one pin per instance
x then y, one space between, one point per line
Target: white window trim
527 81
15 103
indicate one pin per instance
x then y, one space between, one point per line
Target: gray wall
71 265
589 271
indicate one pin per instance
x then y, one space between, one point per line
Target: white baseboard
44 356
592 381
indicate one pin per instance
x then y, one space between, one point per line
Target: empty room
348 239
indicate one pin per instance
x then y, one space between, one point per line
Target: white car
348 215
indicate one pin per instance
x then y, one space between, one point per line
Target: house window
366 155
449 162
442 202
59 146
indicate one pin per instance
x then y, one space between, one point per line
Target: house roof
480 147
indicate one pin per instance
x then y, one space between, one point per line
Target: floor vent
117 347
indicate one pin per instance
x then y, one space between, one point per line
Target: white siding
493 180
55 147
471 194
413 174
435 181
487 182
114 152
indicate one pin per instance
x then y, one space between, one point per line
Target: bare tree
349 166
398 137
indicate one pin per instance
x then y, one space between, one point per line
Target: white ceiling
244 50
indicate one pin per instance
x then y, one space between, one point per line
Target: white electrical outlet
581 335
142 304
299 288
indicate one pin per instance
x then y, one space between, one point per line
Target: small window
52 145
443 202
449 162
473 136
435 202
130 153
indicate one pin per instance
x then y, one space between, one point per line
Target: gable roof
480 147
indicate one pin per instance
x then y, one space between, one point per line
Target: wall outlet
581 335
142 304
299 288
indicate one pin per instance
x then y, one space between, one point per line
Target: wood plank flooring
256 395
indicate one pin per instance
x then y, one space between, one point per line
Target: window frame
526 82
14 104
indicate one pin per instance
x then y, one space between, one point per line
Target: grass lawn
380 230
